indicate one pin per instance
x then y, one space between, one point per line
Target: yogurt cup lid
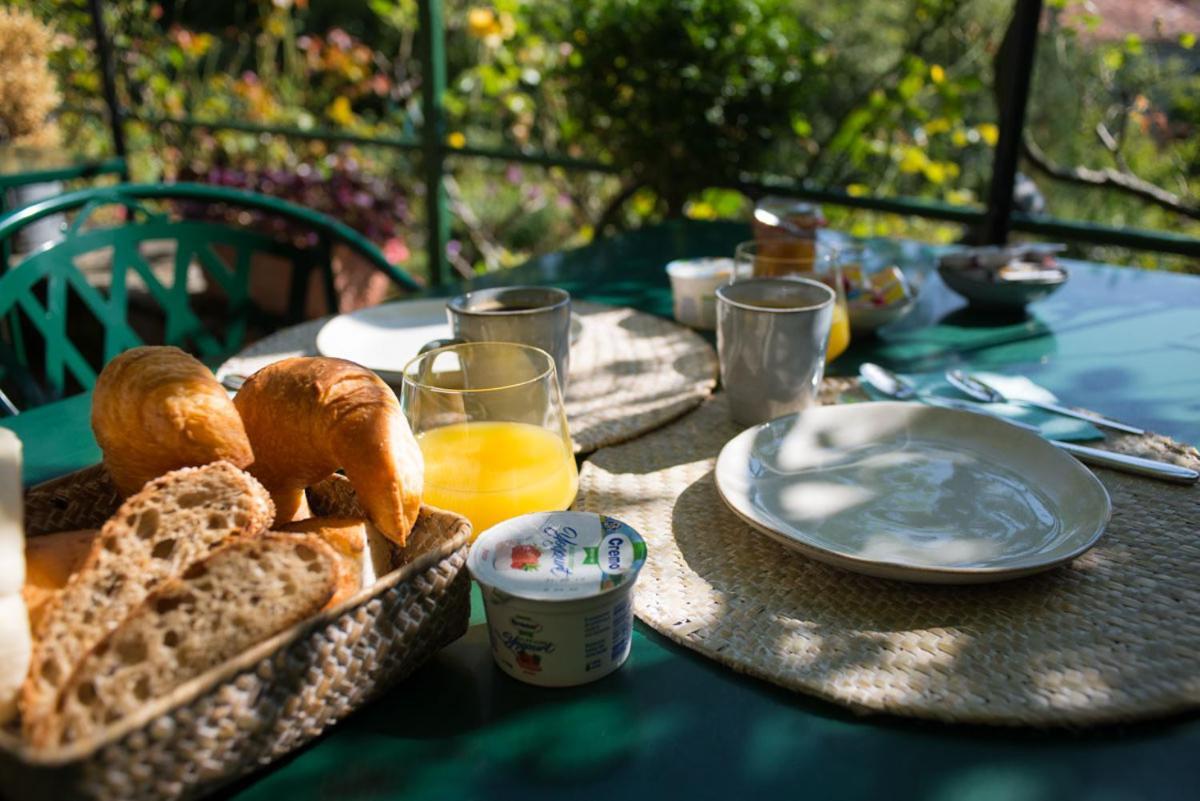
554 556
708 267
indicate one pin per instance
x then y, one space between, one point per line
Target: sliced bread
173 521
241 594
348 538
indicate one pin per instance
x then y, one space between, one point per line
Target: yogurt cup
694 285
558 593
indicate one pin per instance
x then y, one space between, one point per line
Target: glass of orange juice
489 419
820 263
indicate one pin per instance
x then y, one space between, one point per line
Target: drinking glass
752 260
489 419
771 340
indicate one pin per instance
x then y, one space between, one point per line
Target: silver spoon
980 390
885 382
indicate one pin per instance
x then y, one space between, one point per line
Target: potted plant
28 96
336 186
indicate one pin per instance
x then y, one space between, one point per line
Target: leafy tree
687 95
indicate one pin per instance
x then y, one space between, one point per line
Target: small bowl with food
1009 277
876 298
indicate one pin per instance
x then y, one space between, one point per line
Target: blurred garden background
676 106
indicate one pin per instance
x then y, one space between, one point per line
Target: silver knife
1093 456
980 390
894 386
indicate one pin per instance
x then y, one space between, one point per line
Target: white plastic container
558 592
694 285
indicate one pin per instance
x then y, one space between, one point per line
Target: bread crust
156 409
309 416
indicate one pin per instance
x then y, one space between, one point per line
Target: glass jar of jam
801 242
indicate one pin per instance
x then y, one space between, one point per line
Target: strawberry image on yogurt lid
557 555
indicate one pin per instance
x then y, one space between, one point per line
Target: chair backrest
171 280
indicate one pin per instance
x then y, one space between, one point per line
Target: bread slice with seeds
173 521
240 595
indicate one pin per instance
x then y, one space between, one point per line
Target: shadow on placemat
1114 636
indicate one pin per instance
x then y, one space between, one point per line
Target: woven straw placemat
1114 636
630 372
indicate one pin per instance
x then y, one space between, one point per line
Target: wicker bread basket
271 699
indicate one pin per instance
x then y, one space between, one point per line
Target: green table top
671 724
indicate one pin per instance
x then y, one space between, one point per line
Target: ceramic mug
527 315
771 338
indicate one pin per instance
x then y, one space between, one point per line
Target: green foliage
1128 105
686 95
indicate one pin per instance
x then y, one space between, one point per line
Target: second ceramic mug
527 315
771 338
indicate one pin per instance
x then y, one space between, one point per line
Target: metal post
433 134
1012 96
116 117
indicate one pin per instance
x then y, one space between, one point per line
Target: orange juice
839 332
492 471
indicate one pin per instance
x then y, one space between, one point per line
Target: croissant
157 409
309 416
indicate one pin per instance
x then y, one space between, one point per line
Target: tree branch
882 81
1108 178
486 248
609 216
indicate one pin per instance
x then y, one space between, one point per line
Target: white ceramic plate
913 492
384 338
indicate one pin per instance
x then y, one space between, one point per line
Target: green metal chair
45 295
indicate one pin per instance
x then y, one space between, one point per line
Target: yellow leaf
643 202
935 173
913 160
456 140
701 211
856 190
937 125
989 133
959 138
960 197
937 74
339 111
480 22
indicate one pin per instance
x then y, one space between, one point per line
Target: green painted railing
67 172
49 349
991 222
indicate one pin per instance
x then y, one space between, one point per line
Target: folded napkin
1054 426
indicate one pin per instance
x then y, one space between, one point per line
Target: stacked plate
385 338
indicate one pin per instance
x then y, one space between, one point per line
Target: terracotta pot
356 281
